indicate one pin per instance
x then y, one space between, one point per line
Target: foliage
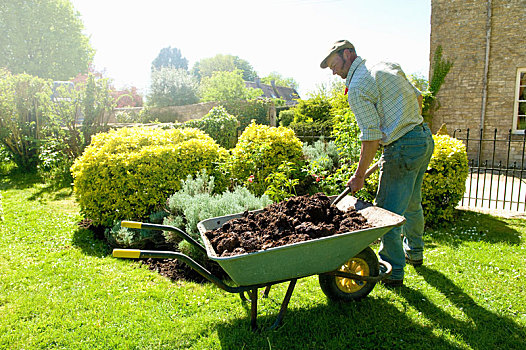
419 81
206 67
96 104
128 97
77 113
347 136
226 86
25 111
259 152
43 38
5 160
315 116
220 125
281 184
248 111
315 109
128 173
322 156
279 80
123 237
55 162
196 201
172 87
440 69
171 58
311 131
133 116
445 180
286 117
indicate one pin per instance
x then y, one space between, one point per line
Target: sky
290 37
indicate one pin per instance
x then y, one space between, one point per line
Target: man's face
337 64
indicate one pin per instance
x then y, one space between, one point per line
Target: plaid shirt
383 100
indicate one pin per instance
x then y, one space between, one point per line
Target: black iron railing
497 177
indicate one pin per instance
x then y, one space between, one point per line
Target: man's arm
367 153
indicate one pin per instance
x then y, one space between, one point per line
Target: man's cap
339 45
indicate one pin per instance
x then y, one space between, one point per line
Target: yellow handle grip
127 253
131 224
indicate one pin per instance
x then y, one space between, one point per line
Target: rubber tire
329 284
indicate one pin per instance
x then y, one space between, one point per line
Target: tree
43 38
223 63
227 86
25 110
170 57
128 97
172 87
280 80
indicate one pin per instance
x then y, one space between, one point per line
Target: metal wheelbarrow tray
348 268
301 259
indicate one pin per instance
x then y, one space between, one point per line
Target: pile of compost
298 219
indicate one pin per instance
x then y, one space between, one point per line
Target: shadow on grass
480 328
473 226
18 180
376 323
89 243
22 180
52 192
369 324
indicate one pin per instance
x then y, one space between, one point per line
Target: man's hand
367 153
356 183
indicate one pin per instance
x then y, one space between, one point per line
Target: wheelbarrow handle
159 254
178 231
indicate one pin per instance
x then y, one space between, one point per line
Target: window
519 123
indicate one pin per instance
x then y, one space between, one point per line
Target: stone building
485 88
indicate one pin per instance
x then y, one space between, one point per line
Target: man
387 109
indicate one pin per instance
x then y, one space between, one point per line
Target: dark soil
298 219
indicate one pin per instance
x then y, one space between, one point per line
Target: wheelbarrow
348 268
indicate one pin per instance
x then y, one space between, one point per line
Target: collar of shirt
357 62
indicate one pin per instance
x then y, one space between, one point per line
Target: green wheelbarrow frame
251 271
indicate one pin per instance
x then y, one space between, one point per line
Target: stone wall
461 28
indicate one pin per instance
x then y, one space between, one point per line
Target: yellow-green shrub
128 173
260 150
445 180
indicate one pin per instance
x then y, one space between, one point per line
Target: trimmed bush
247 111
220 125
260 151
445 180
128 173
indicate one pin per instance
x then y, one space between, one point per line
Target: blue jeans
402 167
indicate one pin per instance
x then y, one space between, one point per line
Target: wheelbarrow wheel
337 288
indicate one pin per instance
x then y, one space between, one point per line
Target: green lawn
60 288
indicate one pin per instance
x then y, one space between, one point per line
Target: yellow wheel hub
356 266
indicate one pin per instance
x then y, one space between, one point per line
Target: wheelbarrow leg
254 309
284 304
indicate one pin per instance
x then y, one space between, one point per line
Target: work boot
414 262
389 283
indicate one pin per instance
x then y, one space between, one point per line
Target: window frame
518 85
